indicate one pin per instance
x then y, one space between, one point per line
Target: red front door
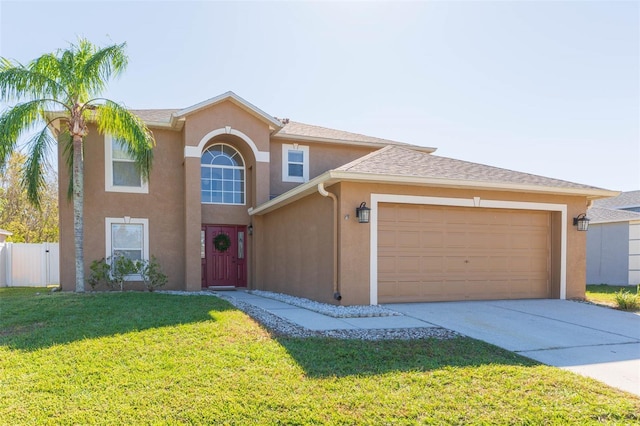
224 256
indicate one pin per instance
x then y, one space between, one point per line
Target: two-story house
284 196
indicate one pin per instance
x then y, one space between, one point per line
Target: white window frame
285 163
108 173
244 174
128 221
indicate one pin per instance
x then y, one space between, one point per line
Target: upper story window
222 178
295 163
121 173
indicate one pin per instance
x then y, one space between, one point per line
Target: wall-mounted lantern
582 222
363 212
250 229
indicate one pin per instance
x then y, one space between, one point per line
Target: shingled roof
295 130
159 116
290 130
604 215
624 200
400 161
400 165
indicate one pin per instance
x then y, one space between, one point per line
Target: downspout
325 193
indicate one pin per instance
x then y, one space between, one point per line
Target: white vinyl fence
29 265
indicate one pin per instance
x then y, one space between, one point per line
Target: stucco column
262 183
192 225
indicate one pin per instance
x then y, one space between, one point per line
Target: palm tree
65 86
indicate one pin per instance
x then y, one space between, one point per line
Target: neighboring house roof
400 165
624 200
4 232
604 215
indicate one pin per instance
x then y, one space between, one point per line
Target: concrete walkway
319 322
590 340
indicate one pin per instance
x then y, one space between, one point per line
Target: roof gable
274 123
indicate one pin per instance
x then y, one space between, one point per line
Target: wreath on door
222 242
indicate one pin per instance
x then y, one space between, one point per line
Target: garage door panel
455 239
433 253
407 239
386 238
431 239
432 217
405 213
408 264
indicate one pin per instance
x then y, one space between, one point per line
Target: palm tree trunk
78 210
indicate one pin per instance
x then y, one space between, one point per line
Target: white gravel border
282 327
335 311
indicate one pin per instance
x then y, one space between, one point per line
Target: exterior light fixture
362 213
582 222
250 229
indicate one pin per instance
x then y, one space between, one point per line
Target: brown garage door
436 253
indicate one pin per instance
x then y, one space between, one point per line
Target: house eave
165 125
295 194
333 176
315 139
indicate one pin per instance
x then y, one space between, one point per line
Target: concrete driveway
590 340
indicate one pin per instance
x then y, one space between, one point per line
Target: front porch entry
223 253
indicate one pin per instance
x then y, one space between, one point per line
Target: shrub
151 273
113 272
627 301
121 266
99 273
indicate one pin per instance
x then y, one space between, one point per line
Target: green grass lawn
604 294
147 358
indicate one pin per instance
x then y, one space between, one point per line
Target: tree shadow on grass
32 319
325 357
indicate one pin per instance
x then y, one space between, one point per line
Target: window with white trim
128 237
121 173
222 175
295 163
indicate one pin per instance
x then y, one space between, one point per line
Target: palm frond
33 179
18 82
101 66
15 121
138 141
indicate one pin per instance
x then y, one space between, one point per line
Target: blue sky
545 87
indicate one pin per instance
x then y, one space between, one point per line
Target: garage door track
591 340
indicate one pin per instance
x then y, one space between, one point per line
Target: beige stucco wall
162 206
322 157
294 249
197 126
284 253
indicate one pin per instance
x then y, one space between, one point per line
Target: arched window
222 175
